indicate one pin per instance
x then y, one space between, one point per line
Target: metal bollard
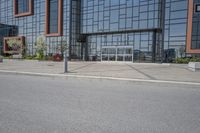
65 62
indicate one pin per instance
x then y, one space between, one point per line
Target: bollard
65 62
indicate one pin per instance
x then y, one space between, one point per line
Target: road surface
34 104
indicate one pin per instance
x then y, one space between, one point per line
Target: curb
97 77
145 64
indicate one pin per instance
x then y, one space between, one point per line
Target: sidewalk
172 72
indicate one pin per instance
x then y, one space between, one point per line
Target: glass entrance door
117 53
108 54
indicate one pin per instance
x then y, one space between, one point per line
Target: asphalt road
33 104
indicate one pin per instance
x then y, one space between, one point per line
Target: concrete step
194 66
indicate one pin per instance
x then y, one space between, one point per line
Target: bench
194 66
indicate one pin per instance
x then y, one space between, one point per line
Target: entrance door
108 54
117 53
128 54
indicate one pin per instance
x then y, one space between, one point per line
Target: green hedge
186 60
29 57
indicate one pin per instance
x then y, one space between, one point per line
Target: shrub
195 60
57 57
30 57
7 57
40 47
34 57
186 60
48 58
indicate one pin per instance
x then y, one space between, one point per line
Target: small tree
182 51
62 47
40 47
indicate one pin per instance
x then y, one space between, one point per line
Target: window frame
197 6
191 9
29 13
60 19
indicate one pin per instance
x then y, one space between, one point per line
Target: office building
107 30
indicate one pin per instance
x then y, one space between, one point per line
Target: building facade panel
117 15
176 25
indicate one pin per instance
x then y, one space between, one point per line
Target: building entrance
130 47
117 53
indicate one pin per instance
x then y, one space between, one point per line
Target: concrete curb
96 62
97 77
145 64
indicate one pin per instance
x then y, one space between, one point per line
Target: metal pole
163 6
154 47
65 62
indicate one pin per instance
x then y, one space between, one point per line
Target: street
35 104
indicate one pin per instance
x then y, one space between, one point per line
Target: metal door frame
116 52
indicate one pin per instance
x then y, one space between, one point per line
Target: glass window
181 5
114 16
107 3
121 14
22 6
198 8
53 16
114 2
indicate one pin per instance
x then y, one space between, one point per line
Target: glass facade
108 30
118 15
33 26
135 47
130 17
176 25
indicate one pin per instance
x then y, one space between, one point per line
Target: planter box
194 66
6 49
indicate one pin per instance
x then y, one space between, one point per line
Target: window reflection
53 16
22 6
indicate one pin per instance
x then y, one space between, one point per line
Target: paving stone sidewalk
169 72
